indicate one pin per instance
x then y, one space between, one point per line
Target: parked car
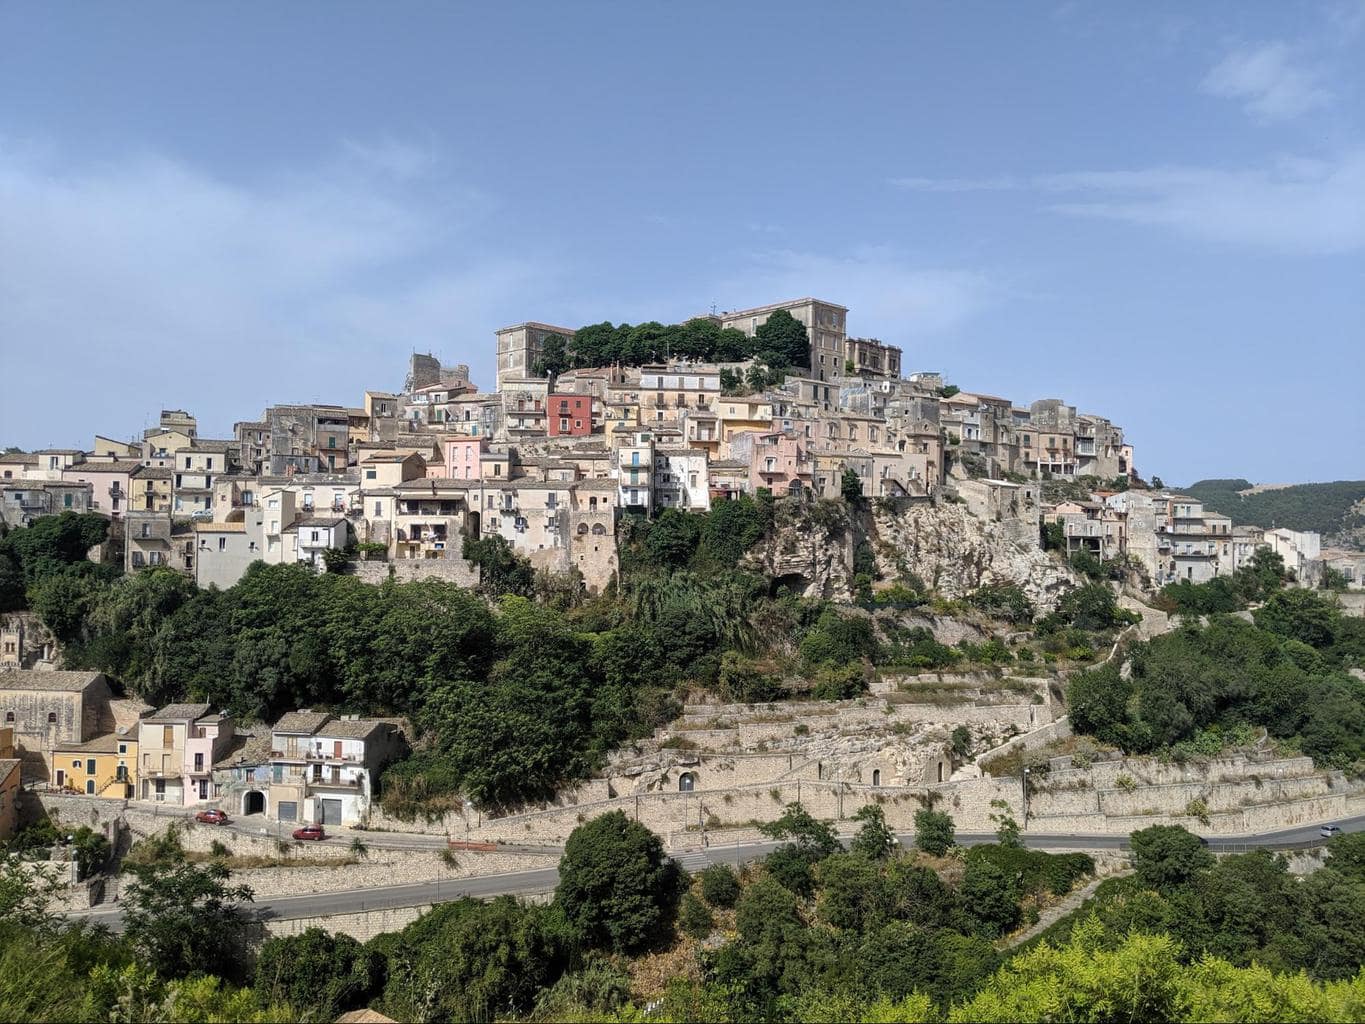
310 832
1328 831
212 817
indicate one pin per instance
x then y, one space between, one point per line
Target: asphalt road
417 894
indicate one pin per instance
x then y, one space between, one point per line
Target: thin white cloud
1002 184
149 280
894 298
1269 82
1295 205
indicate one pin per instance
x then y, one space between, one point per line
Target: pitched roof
177 712
352 728
301 723
34 679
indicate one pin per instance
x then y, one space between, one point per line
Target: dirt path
1068 903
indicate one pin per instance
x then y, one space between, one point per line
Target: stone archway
687 782
253 802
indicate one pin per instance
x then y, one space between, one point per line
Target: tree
321 974
851 487
501 570
948 391
694 917
1334 580
672 538
470 960
179 917
1302 615
616 887
730 381
719 886
554 357
874 840
781 341
991 898
811 841
1006 828
850 891
1166 857
933 832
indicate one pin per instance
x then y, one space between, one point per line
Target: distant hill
1336 510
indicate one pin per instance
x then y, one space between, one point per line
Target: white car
1329 831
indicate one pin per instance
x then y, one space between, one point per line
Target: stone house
49 709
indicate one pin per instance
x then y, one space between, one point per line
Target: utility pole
1025 783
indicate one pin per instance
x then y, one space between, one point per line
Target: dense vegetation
1327 508
1245 909
814 933
53 548
780 343
1190 689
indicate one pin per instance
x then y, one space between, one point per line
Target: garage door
331 812
289 810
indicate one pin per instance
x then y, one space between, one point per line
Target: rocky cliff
813 544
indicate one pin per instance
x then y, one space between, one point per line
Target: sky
1153 211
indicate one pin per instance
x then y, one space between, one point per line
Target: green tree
851 487
874 840
809 842
851 892
1302 615
991 898
719 885
617 888
554 357
1167 856
321 974
781 341
179 917
933 831
694 917
501 570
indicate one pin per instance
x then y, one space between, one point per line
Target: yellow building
620 422
105 766
741 415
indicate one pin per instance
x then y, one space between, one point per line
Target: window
52 718
187 462
9 717
90 766
315 534
222 543
123 748
66 501
208 462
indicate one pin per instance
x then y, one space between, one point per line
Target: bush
1036 872
933 832
616 886
695 918
719 885
1166 857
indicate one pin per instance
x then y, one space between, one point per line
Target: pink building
780 462
463 458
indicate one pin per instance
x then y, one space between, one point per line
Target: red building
569 415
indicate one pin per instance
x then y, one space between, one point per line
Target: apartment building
23 501
869 357
177 748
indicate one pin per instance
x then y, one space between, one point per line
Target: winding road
541 880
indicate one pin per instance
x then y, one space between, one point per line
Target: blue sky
1154 211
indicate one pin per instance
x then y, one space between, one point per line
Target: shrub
719 886
933 832
695 918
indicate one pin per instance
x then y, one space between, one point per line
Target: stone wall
450 570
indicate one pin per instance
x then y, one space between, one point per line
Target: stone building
826 328
46 709
520 345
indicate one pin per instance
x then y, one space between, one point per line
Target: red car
212 817
310 832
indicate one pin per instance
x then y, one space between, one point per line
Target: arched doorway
253 802
687 782
876 776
